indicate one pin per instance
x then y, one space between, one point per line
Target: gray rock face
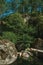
8 52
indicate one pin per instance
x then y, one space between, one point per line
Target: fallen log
35 50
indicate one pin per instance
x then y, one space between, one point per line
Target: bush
10 36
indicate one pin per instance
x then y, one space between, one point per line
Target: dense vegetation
14 28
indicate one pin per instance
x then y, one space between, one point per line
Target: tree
3 7
23 7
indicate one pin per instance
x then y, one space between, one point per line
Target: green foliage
15 30
14 20
40 26
3 7
10 36
22 34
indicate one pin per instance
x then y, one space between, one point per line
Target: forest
21 22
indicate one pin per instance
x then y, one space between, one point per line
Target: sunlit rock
8 52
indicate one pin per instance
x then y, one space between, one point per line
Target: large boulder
8 52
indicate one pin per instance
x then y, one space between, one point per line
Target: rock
8 52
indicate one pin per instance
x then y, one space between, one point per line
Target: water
8 1
6 13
